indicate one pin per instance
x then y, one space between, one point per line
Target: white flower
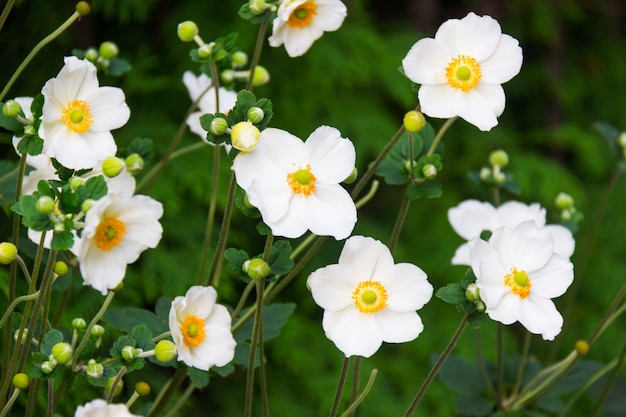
78 116
299 23
471 217
100 408
367 299
199 85
117 229
461 70
295 184
518 273
201 329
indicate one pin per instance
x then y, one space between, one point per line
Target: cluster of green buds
61 355
567 209
12 109
130 352
112 166
472 293
261 76
493 174
94 369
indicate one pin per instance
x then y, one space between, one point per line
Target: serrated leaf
236 258
144 147
117 67
198 377
94 188
26 207
279 259
31 145
62 240
143 337
451 294
251 212
263 229
128 317
50 339
36 107
274 318
461 375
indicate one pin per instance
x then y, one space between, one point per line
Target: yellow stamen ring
519 282
464 73
77 116
109 234
370 297
303 15
193 330
302 181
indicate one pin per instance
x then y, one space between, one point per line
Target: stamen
302 181
519 282
193 330
303 15
370 297
77 116
464 73
109 234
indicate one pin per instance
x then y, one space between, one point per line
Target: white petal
353 333
426 62
481 105
297 41
193 121
329 212
293 223
73 151
504 64
399 327
462 255
332 287
330 15
77 77
529 247
553 279
196 85
407 288
282 148
367 257
471 217
109 109
493 94
564 243
101 270
331 157
507 311
439 100
476 36
512 213
540 316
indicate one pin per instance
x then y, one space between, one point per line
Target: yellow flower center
77 116
464 73
302 181
519 282
193 330
370 297
109 234
303 15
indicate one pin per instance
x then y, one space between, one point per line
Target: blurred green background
572 77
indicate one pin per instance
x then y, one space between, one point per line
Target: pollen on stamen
519 282
302 181
193 330
109 234
77 116
463 73
370 297
303 15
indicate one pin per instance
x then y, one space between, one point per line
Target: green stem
435 369
522 363
256 330
592 379
181 401
340 384
15 302
213 278
116 381
500 365
10 175
92 323
35 50
609 316
242 300
9 403
211 214
50 405
439 135
370 383
167 391
258 48
397 228
5 12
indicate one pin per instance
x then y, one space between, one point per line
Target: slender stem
181 401
355 387
370 383
36 49
340 384
608 316
256 329
435 369
92 323
5 12
50 405
616 365
242 300
211 214
500 364
439 135
397 228
10 175
262 375
167 391
522 363
213 278
370 194
481 364
115 383
31 401
15 302
258 48
9 404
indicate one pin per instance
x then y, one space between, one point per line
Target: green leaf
236 258
251 212
36 107
427 189
31 145
7 187
62 240
225 370
162 308
479 404
94 188
198 377
144 147
143 336
451 293
50 339
10 123
274 318
117 67
279 259
128 317
31 218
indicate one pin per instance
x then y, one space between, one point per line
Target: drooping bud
118 387
472 293
261 76
165 351
44 205
112 166
205 51
245 136
94 369
240 59
352 177
414 121
79 324
134 163
21 381
62 353
187 30
218 126
255 114
60 268
256 268
564 201
129 353
82 8
108 50
429 171
97 331
142 388
91 54
582 347
8 253
257 6
499 158
47 367
11 108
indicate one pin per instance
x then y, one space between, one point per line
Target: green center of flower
303 15
370 297
463 73
302 181
519 282
77 116
303 176
521 278
109 234
193 330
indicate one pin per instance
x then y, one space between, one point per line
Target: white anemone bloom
201 329
295 184
461 70
471 217
100 408
299 23
117 229
78 116
197 85
518 273
367 299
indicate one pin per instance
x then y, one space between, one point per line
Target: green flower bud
261 76
582 347
112 166
472 293
622 140
245 136
485 173
165 351
94 369
59 227
79 324
227 76
47 367
21 381
82 8
566 215
108 50
60 268
87 204
414 121
205 51
564 201
11 108
134 163
429 171
218 126
499 158
8 253
62 353
45 205
480 306
142 388
91 54
257 6
256 268
352 177
118 387
255 114
29 130
24 336
97 331
76 182
129 353
187 31
240 59
499 177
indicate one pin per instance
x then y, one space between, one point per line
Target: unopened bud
582 347
165 351
429 171
621 140
134 163
499 177
8 253
564 201
245 136
480 306
21 381
472 293
44 205
82 8
118 387
257 6
108 50
227 76
255 114
112 166
91 54
129 353
256 268
240 59
47 367
187 31
11 108
97 331
60 268
29 130
414 121
76 182
218 126
261 76
87 204
499 158
62 353
142 388
16 336
352 177
566 215
59 227
79 324
94 369
485 173
205 51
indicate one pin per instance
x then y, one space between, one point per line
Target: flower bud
11 108
205 51
484 173
134 163
87 204
94 369
91 54
352 177
76 182
62 353
59 227
227 76
47 367
79 324
8 253
499 158
29 130
472 293
165 351
187 31
564 201
245 136
17 334
582 347
108 50
255 114
414 121
60 268
21 381
240 59
429 171
112 166
480 306
261 76
142 388
129 353
566 215
499 177
44 205
621 140
257 6
97 331
82 8
256 268
118 387
218 126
